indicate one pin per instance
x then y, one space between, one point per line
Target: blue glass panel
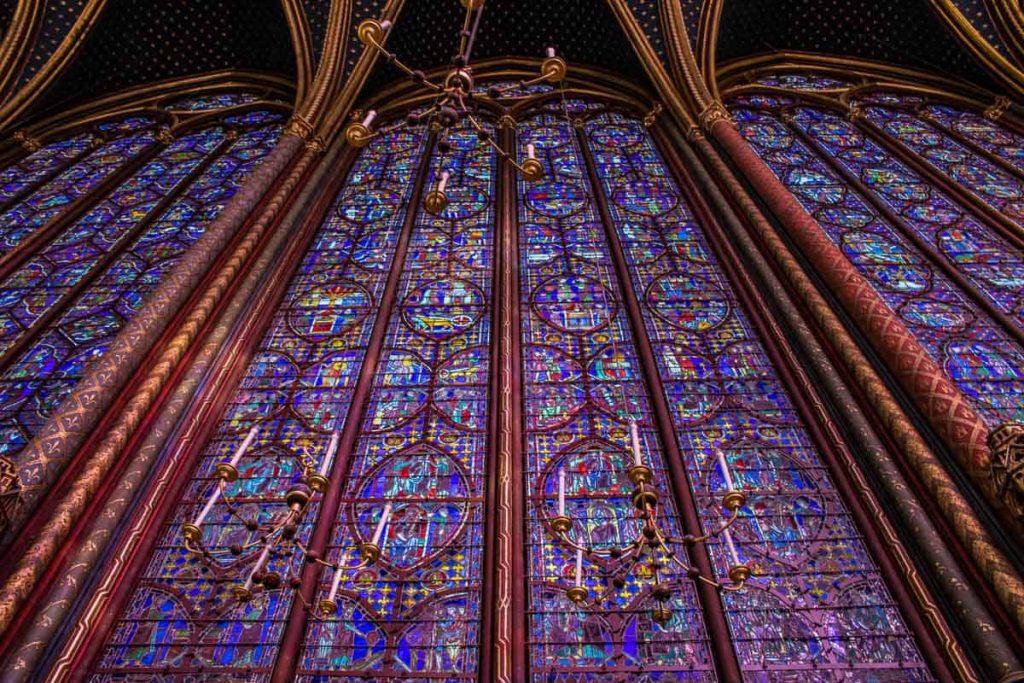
296 390
814 580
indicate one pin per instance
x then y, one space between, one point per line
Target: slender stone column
994 650
79 414
935 395
975 538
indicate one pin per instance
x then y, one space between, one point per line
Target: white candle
259 565
370 116
214 497
724 465
444 181
550 52
735 556
244 446
335 582
561 492
579 567
379 531
332 449
531 151
634 437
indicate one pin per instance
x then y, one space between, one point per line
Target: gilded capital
998 108
712 114
28 142
299 127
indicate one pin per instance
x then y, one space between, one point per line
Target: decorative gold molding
18 41
13 108
651 116
1004 71
998 108
1007 446
298 29
712 114
28 142
707 43
299 127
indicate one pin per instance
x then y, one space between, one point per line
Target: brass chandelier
279 537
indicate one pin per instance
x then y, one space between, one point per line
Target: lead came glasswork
47 159
978 355
296 390
581 385
415 614
130 137
43 374
817 604
989 261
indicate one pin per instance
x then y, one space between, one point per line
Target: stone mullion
503 646
720 640
295 629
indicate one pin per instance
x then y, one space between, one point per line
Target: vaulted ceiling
902 32
139 41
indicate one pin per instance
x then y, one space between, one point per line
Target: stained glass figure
295 393
814 573
984 361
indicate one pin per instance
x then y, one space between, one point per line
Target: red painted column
936 396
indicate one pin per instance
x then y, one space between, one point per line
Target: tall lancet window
538 346
89 226
926 201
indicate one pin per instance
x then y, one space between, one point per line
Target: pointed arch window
383 355
102 217
935 253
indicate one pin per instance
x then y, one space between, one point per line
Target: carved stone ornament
712 114
10 490
998 108
28 143
1007 446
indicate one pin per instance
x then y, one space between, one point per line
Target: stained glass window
414 474
71 298
989 261
423 448
819 602
127 138
581 386
296 391
978 354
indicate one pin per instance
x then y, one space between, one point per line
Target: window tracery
74 293
417 467
932 260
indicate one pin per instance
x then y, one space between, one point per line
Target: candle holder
650 539
454 96
561 524
278 536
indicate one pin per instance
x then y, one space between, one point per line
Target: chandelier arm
722 527
392 58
